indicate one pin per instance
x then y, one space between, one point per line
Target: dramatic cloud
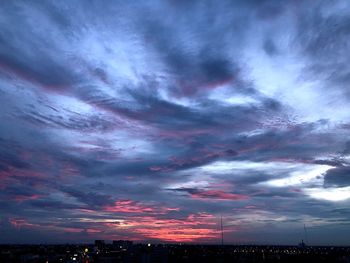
149 120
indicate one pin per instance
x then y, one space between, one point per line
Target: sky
150 120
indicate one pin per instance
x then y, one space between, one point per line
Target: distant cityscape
125 251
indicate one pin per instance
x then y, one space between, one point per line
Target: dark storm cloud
181 110
338 177
53 205
90 198
8 160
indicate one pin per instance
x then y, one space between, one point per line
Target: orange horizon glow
194 228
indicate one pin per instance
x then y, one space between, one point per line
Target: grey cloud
338 177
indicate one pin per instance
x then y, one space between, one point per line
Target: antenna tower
305 233
222 231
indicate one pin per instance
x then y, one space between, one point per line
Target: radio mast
305 233
222 232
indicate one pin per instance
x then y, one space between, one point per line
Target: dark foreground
124 252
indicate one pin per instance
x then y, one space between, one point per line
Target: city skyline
155 121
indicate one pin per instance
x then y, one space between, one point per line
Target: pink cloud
195 228
217 194
20 222
133 207
21 198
